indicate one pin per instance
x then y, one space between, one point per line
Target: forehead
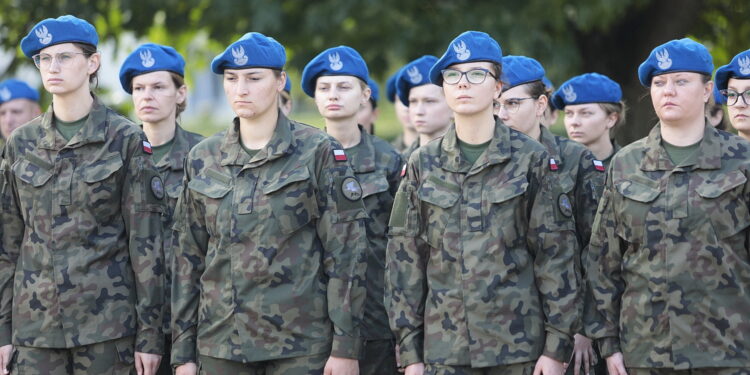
248 71
16 104
59 48
159 76
582 107
334 80
471 65
676 75
514 92
428 90
739 84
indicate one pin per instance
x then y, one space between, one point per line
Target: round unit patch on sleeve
566 208
157 187
351 189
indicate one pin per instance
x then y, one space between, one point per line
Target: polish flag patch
339 155
552 164
403 170
599 165
147 148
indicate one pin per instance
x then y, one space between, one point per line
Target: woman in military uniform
671 234
81 262
733 82
593 110
428 110
339 94
154 75
271 261
522 106
481 276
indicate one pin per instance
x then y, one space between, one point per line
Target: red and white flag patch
339 155
599 165
147 148
552 164
403 170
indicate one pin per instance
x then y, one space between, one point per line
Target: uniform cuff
150 341
411 349
608 346
346 347
183 351
558 346
6 335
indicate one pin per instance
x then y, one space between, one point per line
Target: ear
498 89
611 120
708 90
366 94
181 94
94 61
282 81
541 105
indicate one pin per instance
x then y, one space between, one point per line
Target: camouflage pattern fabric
377 166
480 259
272 250
307 365
115 357
700 371
515 369
670 267
171 171
81 259
615 148
406 153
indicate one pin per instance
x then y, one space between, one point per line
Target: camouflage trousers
116 357
307 365
526 368
696 371
378 358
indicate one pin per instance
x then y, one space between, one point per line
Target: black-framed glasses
734 96
44 60
475 76
511 105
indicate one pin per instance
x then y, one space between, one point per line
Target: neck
160 132
744 134
535 132
602 148
684 133
410 136
427 138
345 131
73 106
256 132
477 128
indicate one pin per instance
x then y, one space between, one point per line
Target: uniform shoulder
193 138
383 147
207 145
31 130
521 142
120 123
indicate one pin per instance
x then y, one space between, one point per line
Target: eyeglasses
475 76
734 96
44 60
511 105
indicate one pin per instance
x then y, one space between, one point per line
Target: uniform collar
497 151
180 147
363 161
657 159
280 144
94 130
550 142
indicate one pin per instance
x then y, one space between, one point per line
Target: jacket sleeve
342 232
189 260
406 279
604 275
12 235
552 240
142 205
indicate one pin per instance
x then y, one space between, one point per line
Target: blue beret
253 50
739 67
375 95
64 29
468 47
518 70
719 99
14 89
683 55
288 84
413 74
149 58
390 86
587 88
548 84
336 61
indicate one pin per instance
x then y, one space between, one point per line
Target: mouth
148 109
669 104
333 107
464 97
54 80
740 116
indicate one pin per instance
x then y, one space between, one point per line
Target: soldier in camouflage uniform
522 106
81 263
272 245
154 75
481 276
672 267
19 104
428 111
339 95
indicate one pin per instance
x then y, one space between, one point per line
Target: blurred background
611 37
